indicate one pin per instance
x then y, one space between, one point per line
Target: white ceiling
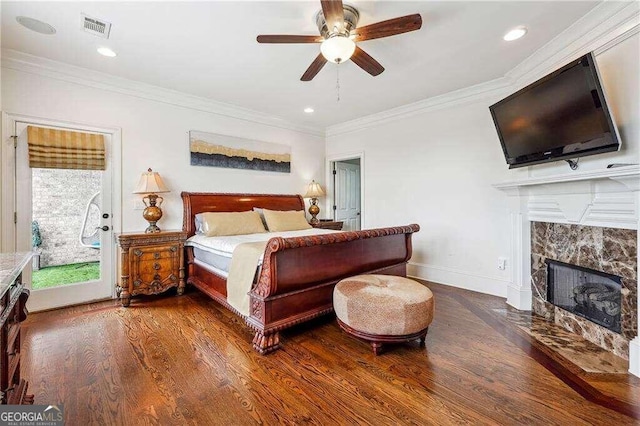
209 49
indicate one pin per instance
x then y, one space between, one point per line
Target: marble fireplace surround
610 250
606 198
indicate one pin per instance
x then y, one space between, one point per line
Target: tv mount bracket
573 163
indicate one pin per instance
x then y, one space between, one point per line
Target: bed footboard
298 275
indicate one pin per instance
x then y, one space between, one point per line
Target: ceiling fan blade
333 12
314 68
366 62
390 27
281 38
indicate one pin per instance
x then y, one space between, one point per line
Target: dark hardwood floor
187 360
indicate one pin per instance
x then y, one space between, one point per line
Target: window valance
63 149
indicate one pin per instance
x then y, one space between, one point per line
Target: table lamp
151 183
314 190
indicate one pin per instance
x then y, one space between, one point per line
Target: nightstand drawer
154 252
154 270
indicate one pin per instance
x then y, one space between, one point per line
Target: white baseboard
634 357
461 279
519 297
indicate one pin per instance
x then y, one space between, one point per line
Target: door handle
358 214
103 228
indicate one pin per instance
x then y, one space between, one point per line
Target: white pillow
261 213
198 223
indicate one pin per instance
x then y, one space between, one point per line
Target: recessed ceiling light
105 51
35 25
308 110
515 34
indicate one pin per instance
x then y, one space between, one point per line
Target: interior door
347 195
99 285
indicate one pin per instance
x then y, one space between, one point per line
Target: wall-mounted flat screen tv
561 116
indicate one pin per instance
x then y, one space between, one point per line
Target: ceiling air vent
95 26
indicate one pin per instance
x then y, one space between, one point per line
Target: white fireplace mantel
606 198
626 173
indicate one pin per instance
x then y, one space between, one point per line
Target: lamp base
152 228
152 213
314 210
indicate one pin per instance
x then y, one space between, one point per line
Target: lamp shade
150 183
337 49
314 190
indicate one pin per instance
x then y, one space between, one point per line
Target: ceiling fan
339 34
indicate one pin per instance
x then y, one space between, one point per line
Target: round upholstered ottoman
383 309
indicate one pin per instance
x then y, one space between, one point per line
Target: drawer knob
174 249
157 266
156 255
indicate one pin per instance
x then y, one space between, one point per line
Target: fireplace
591 294
587 218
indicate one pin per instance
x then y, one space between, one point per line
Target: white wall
435 168
155 134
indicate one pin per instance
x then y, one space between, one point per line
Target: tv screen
561 116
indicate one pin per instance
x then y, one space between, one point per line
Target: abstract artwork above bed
213 150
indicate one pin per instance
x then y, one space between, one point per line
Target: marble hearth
609 250
575 214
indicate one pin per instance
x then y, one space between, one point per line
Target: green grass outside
55 276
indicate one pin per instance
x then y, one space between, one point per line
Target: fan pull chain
338 83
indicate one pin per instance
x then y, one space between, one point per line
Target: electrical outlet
138 204
502 263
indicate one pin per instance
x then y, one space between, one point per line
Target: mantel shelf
622 173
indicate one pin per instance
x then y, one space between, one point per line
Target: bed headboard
199 202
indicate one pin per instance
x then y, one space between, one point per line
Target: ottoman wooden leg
423 338
377 348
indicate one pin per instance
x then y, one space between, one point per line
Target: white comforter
224 246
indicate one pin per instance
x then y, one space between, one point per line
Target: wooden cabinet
328 224
150 263
12 312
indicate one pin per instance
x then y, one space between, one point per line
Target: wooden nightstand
150 263
328 224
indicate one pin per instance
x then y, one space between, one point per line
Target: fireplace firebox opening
591 294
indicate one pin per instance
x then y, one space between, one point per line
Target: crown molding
456 97
601 28
607 24
19 61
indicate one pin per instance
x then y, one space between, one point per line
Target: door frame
8 175
329 201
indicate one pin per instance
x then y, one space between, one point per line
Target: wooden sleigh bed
297 277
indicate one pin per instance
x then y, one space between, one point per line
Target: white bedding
224 246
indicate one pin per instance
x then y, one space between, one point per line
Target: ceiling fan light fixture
338 49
